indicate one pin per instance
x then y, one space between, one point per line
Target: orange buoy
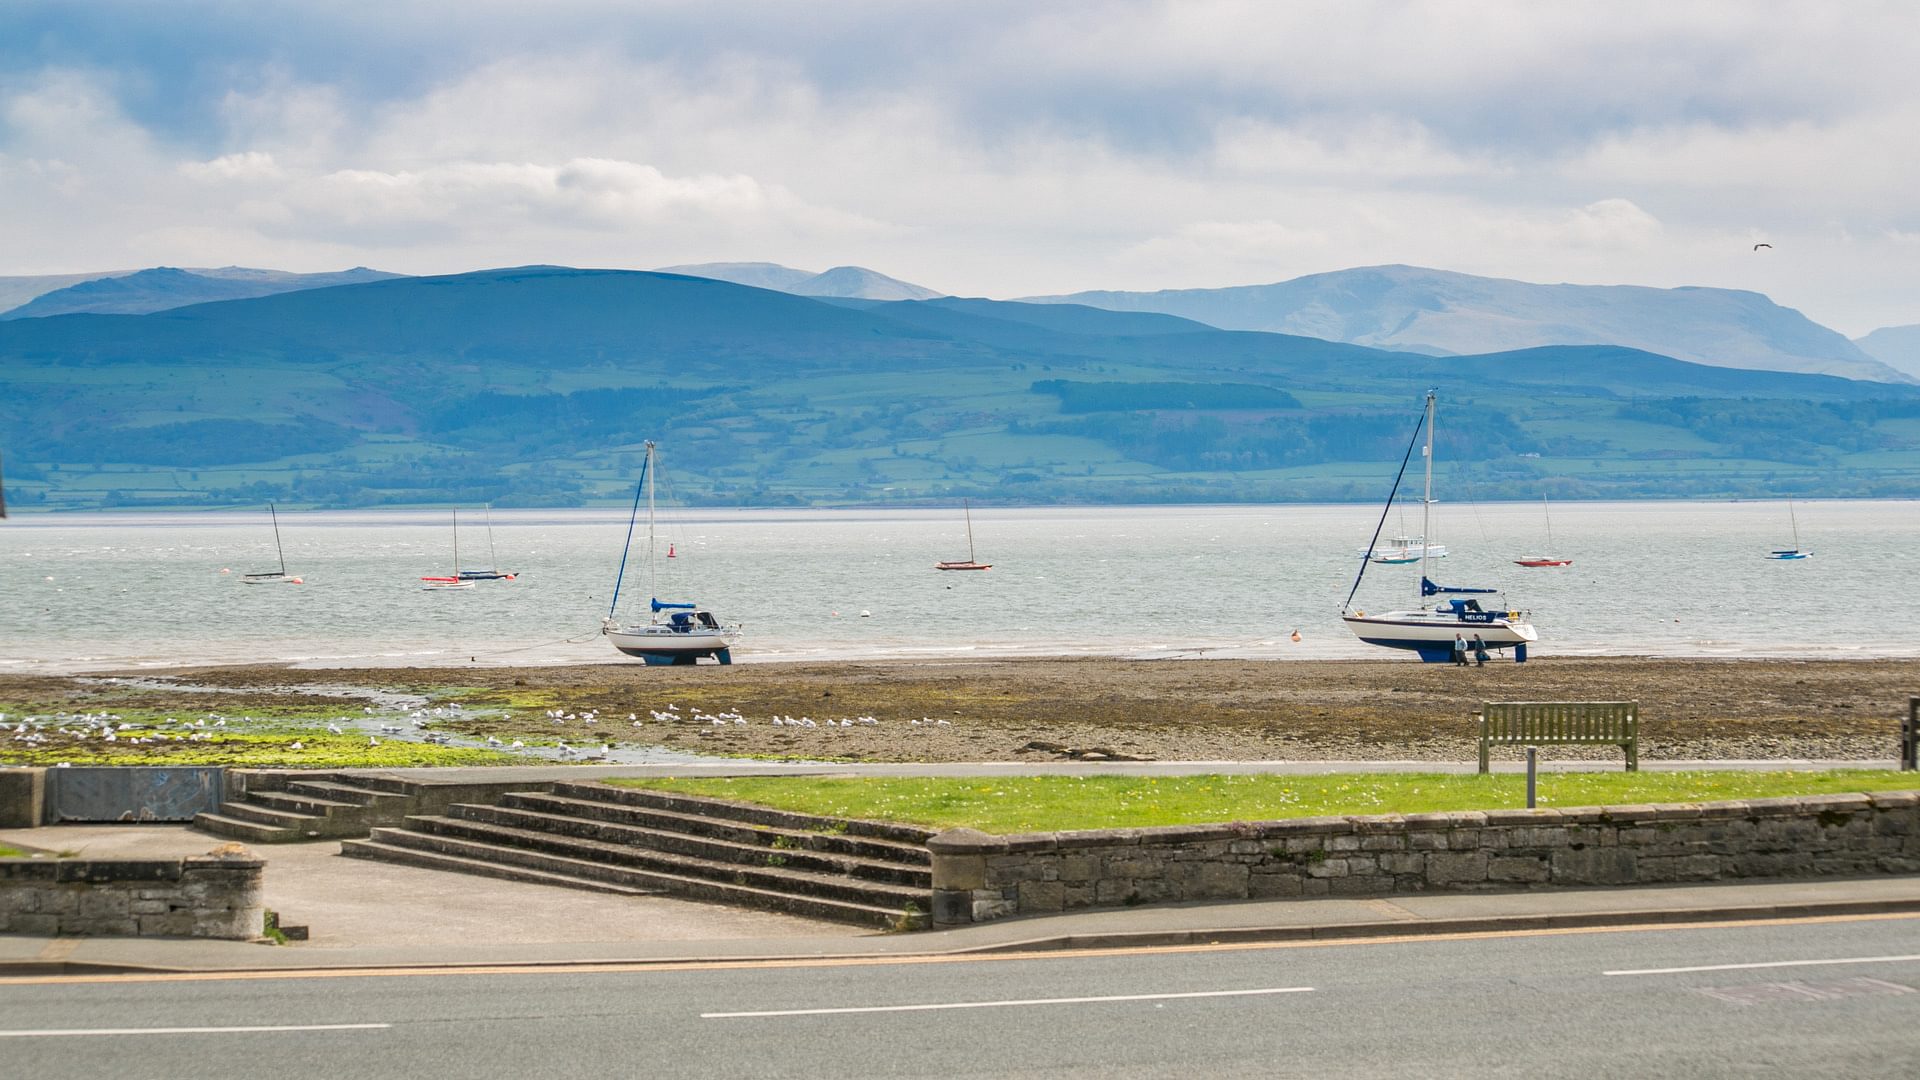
1296 635
669 551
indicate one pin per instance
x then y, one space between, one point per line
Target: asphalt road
1807 999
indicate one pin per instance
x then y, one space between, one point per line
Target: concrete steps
862 872
306 806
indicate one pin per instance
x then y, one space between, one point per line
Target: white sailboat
1432 631
273 577
453 581
966 506
1793 552
675 632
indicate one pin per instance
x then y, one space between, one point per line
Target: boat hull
962 566
658 644
1431 633
1541 560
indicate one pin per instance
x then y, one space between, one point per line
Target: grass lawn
257 749
1061 803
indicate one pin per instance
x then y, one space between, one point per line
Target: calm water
120 590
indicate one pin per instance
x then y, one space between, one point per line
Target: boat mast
456 545
653 591
966 507
491 554
1549 517
1795 521
1426 502
275 514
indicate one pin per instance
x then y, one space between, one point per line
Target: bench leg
1633 755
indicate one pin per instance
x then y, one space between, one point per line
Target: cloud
1002 148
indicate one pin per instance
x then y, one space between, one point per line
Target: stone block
1076 896
148 907
1042 896
958 871
1078 868
1270 886
32 923
990 905
1343 843
1427 841
952 907
1396 841
1214 881
1537 837
1447 868
1594 866
170 924
1359 886
1537 816
1327 868
1510 869
1408 863
1358 865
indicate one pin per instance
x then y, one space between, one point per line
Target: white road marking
1767 964
55 1033
1007 1004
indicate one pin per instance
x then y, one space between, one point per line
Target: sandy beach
1013 710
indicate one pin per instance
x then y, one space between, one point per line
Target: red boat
1541 560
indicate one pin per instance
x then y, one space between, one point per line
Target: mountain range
535 385
1895 346
1413 309
850 282
163 288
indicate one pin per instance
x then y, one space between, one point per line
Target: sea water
97 591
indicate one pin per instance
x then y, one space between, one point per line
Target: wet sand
1044 709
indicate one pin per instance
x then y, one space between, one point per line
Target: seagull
517 744
297 746
371 741
335 729
1757 247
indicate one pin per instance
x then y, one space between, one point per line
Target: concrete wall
213 896
23 798
978 877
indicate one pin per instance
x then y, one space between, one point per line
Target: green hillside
534 386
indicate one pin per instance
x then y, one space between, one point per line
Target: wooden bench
1546 723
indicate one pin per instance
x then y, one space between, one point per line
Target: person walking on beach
1479 652
1459 651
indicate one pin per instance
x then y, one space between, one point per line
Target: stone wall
978 877
213 896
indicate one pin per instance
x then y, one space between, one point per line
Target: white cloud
1000 149
249 165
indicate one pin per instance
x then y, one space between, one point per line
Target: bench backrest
1561 721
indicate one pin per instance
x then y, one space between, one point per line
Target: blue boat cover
662 605
1428 588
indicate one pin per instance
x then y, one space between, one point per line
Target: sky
980 148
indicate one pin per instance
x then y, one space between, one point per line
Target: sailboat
454 581
676 632
495 574
1544 560
1431 631
274 577
970 564
1793 552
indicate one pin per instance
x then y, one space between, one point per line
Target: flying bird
1757 247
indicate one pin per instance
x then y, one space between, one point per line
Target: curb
1328 934
1446 927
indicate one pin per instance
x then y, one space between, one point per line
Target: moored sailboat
1433 632
453 581
493 559
273 577
1794 552
970 563
676 632
1544 560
